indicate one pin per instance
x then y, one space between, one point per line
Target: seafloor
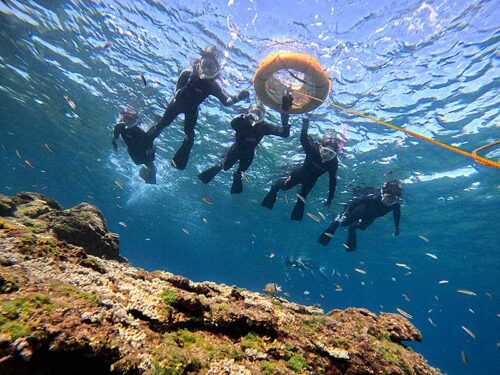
70 304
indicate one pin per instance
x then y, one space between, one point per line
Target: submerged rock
64 311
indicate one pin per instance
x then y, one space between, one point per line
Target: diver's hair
212 52
392 187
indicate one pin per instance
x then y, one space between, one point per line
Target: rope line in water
479 159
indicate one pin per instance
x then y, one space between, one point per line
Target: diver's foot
325 238
209 174
298 212
269 200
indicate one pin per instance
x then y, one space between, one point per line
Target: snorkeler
363 211
139 144
250 129
320 158
192 88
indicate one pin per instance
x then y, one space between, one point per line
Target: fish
407 273
245 176
301 198
286 199
314 217
430 310
48 148
272 288
405 297
330 235
185 231
321 214
271 256
207 201
472 311
404 313
466 292
205 221
18 153
469 332
393 279
322 296
147 239
88 169
433 256
29 163
338 288
464 357
489 295
106 44
430 321
286 294
345 245
119 184
70 102
360 271
306 292
423 238
403 265
443 282
123 224
143 79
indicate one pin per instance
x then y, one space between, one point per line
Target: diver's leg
148 172
170 115
351 238
327 235
245 162
230 157
298 209
181 157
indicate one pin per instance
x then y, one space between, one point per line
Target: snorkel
328 148
391 192
257 111
208 67
129 118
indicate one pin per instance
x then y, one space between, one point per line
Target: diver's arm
183 79
304 137
332 174
116 133
280 131
216 91
397 216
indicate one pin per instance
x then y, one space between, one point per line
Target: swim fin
298 211
270 198
237 186
148 174
351 239
209 174
181 157
327 235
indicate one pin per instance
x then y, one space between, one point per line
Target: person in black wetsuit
250 129
193 87
139 145
320 158
363 211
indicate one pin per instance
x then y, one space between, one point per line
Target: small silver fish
363 272
185 231
466 292
469 332
433 256
48 148
143 80
272 288
464 357
314 217
207 201
119 184
423 238
123 224
404 313
443 282
301 198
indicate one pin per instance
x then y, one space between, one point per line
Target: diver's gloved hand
115 145
244 94
396 232
286 102
305 121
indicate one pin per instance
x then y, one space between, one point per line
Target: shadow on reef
70 304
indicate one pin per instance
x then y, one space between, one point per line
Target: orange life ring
294 72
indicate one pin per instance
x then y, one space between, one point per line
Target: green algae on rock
65 310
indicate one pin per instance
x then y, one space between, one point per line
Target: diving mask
129 117
327 153
389 199
258 112
208 68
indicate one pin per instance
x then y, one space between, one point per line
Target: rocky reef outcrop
69 304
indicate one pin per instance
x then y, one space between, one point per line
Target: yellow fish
272 288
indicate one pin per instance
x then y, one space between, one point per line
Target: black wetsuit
248 138
307 174
139 143
359 214
191 91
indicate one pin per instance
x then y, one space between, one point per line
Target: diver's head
328 148
208 67
129 117
391 192
258 112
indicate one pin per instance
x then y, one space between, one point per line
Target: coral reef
64 310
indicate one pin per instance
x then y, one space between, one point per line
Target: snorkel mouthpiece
129 117
258 112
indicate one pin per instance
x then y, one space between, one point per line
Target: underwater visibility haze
67 68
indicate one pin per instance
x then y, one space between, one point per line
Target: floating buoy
291 72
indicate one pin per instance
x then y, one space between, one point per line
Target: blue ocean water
431 67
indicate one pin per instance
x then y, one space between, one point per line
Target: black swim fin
270 199
209 174
237 186
298 211
351 239
181 157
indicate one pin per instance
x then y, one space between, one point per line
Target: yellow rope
477 158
